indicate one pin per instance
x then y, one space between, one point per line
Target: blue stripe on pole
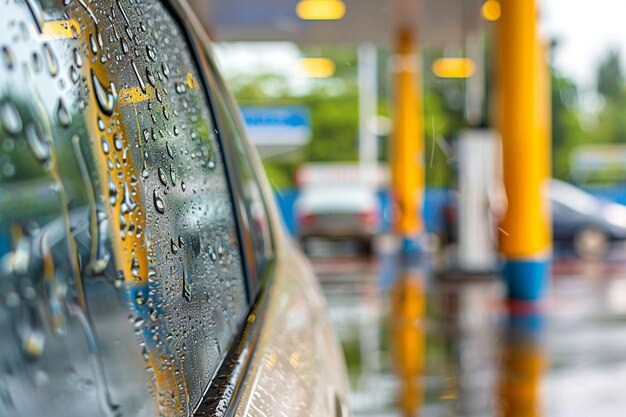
526 279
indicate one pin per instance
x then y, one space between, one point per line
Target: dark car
580 220
585 221
144 270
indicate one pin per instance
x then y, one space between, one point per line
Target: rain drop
162 176
51 60
181 88
158 203
173 175
142 84
151 53
151 78
101 124
74 75
8 57
106 97
186 288
94 45
39 145
37 12
63 115
78 59
117 143
10 118
106 148
112 191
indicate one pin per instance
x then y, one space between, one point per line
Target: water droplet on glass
162 176
94 45
166 70
112 191
106 148
74 75
170 151
119 279
8 57
101 124
151 78
142 84
51 60
139 300
151 53
106 97
158 203
39 145
186 287
138 323
117 143
31 333
173 175
37 12
78 59
181 88
63 115
10 118
134 268
36 62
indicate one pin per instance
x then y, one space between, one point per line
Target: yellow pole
525 239
408 141
522 368
408 339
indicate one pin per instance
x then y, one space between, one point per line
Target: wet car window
255 213
121 285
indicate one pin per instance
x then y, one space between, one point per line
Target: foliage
333 104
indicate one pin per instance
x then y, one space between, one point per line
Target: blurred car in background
580 221
584 221
338 211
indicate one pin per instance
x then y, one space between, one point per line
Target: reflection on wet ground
450 346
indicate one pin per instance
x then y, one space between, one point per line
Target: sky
586 29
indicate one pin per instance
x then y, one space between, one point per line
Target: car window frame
222 398
220 87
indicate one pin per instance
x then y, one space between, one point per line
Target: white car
338 211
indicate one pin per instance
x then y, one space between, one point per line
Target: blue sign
277 125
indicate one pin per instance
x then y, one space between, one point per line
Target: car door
143 270
122 282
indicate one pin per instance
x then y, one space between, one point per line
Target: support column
407 160
525 232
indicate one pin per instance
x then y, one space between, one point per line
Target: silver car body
144 269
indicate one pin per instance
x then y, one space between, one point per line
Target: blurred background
456 170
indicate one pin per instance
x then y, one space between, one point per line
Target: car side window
121 281
256 219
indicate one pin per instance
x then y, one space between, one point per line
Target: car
587 222
580 221
338 211
144 269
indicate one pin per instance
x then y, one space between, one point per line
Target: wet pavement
422 345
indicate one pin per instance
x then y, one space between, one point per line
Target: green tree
610 78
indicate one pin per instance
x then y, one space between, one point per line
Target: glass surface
121 286
256 218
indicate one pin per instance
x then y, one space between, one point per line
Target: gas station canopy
438 22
